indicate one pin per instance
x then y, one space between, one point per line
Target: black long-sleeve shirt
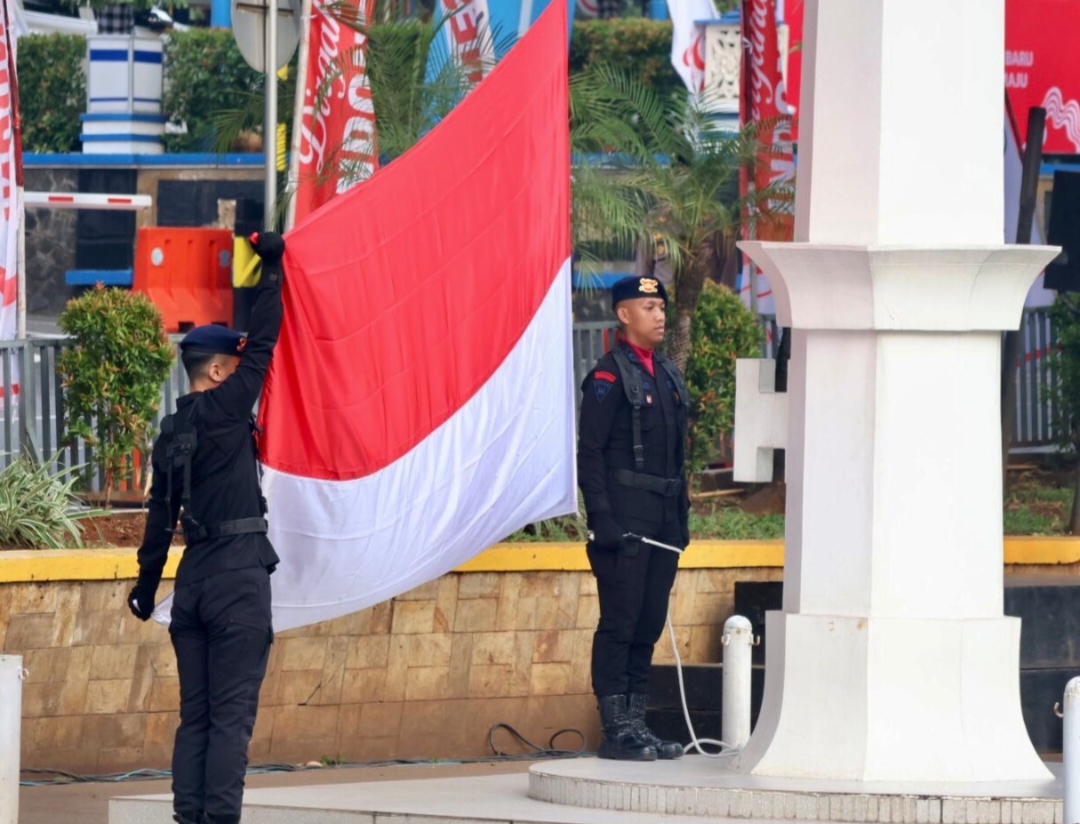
606 444
224 465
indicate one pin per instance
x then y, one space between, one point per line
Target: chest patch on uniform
674 391
601 387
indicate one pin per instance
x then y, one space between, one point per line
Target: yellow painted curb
74 565
571 557
112 564
1040 549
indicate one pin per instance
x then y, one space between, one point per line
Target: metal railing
33 419
1038 419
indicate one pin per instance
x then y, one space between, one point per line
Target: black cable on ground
551 751
62 777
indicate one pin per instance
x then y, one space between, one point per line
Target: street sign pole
256 26
270 124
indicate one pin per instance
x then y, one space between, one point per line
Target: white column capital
891 288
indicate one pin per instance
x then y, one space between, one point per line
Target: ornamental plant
722 331
38 509
53 86
112 374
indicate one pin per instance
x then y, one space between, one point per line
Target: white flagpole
20 266
298 113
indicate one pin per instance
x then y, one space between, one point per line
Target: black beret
635 287
216 339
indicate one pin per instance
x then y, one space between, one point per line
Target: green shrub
1065 364
113 373
53 91
633 44
37 508
206 81
722 331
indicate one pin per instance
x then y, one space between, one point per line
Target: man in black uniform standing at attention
631 455
205 464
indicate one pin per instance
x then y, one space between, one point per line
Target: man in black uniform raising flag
205 464
631 469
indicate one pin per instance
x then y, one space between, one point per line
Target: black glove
270 246
606 532
141 599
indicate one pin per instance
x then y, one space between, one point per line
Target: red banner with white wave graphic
1042 69
334 144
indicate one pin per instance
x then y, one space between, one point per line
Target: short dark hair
196 362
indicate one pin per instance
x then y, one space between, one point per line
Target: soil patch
121 529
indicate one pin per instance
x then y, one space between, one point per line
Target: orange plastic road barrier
187 273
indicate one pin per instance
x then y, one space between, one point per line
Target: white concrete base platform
499 799
589 791
696 786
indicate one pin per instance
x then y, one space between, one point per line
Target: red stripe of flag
404 295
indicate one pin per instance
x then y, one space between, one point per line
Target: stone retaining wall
423 676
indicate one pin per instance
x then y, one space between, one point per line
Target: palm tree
664 176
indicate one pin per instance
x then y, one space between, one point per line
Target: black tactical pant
634 591
221 632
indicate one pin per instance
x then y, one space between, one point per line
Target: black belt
241 526
668 487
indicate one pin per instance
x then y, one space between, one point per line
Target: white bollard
1071 752
11 678
738 641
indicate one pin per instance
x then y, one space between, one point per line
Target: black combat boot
188 818
620 740
665 750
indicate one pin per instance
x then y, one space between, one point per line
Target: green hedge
205 77
53 91
635 43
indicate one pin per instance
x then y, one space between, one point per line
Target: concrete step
589 791
499 799
708 787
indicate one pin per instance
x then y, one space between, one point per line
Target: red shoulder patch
605 376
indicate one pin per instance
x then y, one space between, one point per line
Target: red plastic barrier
187 273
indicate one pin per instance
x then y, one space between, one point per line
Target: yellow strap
247 267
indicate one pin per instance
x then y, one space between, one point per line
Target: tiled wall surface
423 676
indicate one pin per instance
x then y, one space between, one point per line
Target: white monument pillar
892 659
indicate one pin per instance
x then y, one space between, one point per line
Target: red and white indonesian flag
10 173
420 404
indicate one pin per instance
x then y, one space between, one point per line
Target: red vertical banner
10 178
334 141
765 101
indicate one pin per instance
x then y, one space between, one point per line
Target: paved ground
88 803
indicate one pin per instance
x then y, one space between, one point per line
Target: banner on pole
1042 69
688 40
10 176
769 49
335 145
